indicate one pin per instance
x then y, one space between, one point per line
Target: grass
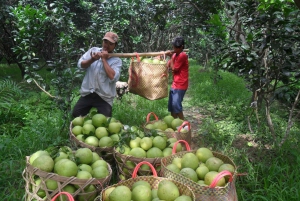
33 122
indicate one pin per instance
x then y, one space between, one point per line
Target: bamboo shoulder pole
144 54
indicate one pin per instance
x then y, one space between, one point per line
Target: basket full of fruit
135 146
146 188
96 132
203 171
170 126
82 173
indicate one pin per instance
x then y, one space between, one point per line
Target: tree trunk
297 2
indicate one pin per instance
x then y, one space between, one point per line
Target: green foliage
9 92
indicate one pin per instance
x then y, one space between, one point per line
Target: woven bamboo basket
211 193
122 159
30 174
187 136
105 152
153 180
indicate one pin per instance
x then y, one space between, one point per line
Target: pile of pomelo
82 164
201 167
151 60
168 124
142 191
97 131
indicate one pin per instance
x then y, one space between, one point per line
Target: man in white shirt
98 87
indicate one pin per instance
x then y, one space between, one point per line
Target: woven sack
207 193
105 152
122 159
186 136
153 180
31 173
148 80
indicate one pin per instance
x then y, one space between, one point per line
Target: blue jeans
175 100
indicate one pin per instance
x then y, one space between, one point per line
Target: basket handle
137 167
187 146
148 116
219 176
69 196
183 124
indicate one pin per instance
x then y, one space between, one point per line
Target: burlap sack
153 180
207 193
148 80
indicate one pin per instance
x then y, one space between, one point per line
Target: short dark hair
178 41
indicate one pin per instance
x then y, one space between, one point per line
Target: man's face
108 46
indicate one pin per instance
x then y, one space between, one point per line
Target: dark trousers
85 103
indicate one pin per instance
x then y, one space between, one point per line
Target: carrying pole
143 54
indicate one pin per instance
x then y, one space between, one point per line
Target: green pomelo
177 162
201 171
169 130
167 151
99 120
154 152
176 123
88 121
91 189
190 160
106 193
115 137
167 190
84 156
101 132
60 155
203 154
51 184
210 176
96 157
85 167
137 152
68 188
173 168
123 150
44 163
78 121
88 129
100 172
178 147
141 182
213 163
114 127
168 120
189 173
159 142
154 193
120 193
66 167
40 192
171 140
141 192
146 143
160 124
111 119
201 182
77 130
80 137
99 163
106 142
150 126
92 140
84 175
184 198
226 166
37 154
133 143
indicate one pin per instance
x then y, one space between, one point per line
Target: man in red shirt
180 69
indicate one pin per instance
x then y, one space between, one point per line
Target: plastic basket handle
148 116
219 176
137 167
187 146
183 124
69 196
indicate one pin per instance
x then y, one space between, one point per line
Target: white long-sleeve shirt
96 79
